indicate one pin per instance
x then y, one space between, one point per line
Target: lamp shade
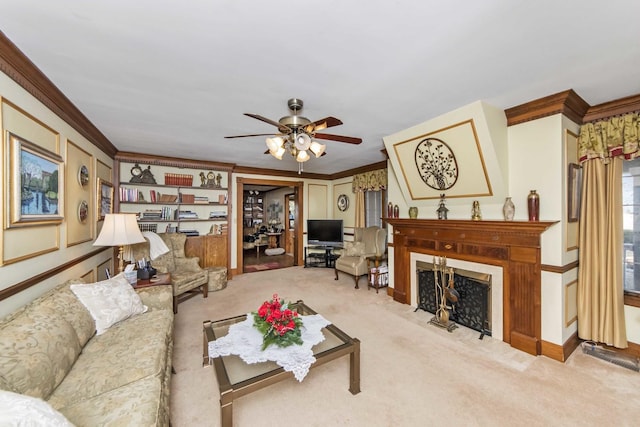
302 156
302 141
119 230
317 148
273 144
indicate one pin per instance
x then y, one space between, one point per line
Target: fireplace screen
473 306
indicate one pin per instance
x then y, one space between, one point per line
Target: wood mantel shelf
512 245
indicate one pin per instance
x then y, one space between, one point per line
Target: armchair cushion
353 249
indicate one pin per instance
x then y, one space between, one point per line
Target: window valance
615 136
370 181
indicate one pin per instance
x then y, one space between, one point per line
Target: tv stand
320 256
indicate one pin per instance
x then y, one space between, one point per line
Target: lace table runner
245 341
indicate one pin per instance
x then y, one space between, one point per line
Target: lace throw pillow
353 248
109 301
21 410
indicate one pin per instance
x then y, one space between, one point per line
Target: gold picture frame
574 182
105 199
36 193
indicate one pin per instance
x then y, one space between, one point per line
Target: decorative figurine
475 211
442 209
218 180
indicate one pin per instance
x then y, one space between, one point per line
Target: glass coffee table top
237 378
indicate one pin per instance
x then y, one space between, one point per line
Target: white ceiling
173 78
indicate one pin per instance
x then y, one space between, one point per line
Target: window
373 208
631 225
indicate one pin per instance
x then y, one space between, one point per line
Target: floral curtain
370 181
616 136
601 147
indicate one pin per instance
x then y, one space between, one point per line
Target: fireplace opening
473 290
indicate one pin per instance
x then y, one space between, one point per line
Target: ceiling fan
297 134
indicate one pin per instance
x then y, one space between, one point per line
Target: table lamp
118 230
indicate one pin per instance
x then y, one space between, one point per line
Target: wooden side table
158 280
375 278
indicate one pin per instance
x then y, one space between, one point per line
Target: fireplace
513 247
472 305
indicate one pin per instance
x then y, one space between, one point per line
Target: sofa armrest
157 297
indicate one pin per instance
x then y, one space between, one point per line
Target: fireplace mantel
512 245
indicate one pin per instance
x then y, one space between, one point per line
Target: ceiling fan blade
321 124
281 128
246 136
339 138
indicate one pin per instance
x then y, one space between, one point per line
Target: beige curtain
602 147
360 217
368 181
600 276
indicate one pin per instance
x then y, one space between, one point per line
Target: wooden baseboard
561 352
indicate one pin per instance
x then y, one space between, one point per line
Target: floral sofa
104 365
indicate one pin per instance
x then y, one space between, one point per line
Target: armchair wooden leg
356 278
175 304
336 270
205 290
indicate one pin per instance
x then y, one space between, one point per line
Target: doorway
265 239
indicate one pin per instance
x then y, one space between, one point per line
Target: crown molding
613 108
20 69
568 103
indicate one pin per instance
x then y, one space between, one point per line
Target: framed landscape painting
105 198
36 184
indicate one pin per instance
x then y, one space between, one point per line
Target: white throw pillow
353 248
109 301
20 410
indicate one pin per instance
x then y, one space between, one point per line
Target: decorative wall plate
83 175
343 202
83 211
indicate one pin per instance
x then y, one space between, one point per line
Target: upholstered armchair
186 275
367 242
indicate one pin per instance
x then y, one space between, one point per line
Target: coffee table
237 378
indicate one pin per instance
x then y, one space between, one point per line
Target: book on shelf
180 214
189 232
167 198
218 214
204 200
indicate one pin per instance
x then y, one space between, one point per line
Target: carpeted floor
412 373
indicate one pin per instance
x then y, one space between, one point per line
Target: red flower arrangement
278 324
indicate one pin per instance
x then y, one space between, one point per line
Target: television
324 232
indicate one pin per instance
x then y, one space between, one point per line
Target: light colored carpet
412 373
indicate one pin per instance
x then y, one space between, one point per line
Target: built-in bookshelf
168 197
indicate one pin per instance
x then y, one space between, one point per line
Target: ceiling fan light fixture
302 141
317 148
302 156
273 144
278 152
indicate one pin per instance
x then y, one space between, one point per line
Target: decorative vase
533 205
396 211
390 210
509 209
413 212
